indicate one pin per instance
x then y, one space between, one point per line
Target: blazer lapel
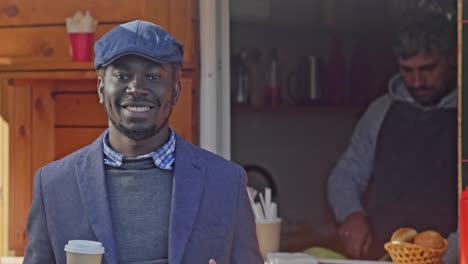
92 185
186 195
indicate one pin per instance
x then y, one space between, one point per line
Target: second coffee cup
268 235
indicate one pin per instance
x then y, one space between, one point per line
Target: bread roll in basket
428 247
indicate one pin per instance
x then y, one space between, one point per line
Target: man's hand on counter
356 235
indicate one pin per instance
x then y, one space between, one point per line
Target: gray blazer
210 213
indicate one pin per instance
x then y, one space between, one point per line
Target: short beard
436 98
142 133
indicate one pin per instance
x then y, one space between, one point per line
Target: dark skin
429 77
138 95
356 235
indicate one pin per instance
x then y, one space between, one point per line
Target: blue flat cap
138 38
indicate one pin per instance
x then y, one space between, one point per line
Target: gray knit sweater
140 201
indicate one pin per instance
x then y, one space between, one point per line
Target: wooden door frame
4 168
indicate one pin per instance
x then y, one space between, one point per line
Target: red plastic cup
81 46
273 96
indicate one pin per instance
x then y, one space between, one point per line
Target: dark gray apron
414 179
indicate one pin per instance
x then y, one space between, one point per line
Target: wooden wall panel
78 106
44 36
70 139
50 119
20 163
4 167
157 11
53 117
39 43
182 25
181 120
43 109
31 146
26 73
79 117
70 86
79 109
37 12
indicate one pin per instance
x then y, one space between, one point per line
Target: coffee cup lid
84 247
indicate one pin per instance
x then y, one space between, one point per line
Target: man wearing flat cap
140 189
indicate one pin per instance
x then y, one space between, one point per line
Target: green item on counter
320 252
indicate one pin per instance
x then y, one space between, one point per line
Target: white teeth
138 108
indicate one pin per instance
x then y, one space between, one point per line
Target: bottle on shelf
273 88
243 80
337 93
257 78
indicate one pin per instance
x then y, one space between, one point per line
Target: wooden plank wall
181 119
4 159
57 117
81 118
30 12
31 128
49 117
28 33
20 160
34 135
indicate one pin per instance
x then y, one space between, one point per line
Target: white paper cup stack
81 23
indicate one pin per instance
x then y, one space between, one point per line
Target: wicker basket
407 253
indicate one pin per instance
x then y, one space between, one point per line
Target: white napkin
81 23
290 258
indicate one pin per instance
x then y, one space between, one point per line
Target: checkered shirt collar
163 158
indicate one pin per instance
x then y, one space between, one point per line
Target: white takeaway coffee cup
84 252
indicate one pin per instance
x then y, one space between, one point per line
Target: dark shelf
316 108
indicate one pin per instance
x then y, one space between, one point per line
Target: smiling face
428 76
138 95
